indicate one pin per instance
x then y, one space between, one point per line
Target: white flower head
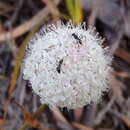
67 65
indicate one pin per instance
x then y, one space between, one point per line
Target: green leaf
78 12
75 10
70 8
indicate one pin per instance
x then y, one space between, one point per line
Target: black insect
77 38
58 68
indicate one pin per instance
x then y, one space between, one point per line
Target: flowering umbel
67 65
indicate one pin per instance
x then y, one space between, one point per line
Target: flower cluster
67 65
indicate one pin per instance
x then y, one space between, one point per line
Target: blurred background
20 108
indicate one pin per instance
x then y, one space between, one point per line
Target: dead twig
58 115
122 74
124 118
17 67
52 7
123 54
117 89
101 114
92 18
16 12
60 119
80 126
34 117
23 28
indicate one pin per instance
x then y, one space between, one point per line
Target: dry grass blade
19 61
59 116
93 15
80 126
126 120
61 120
31 120
52 7
23 47
117 87
122 117
123 54
17 66
23 28
102 113
16 70
122 74
28 117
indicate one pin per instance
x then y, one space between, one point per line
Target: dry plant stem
17 67
104 111
123 54
15 74
60 119
93 15
58 115
53 9
80 126
116 42
18 31
21 29
39 111
121 116
121 74
35 115
36 20
16 12
19 59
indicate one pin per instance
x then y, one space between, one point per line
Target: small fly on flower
59 66
77 38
